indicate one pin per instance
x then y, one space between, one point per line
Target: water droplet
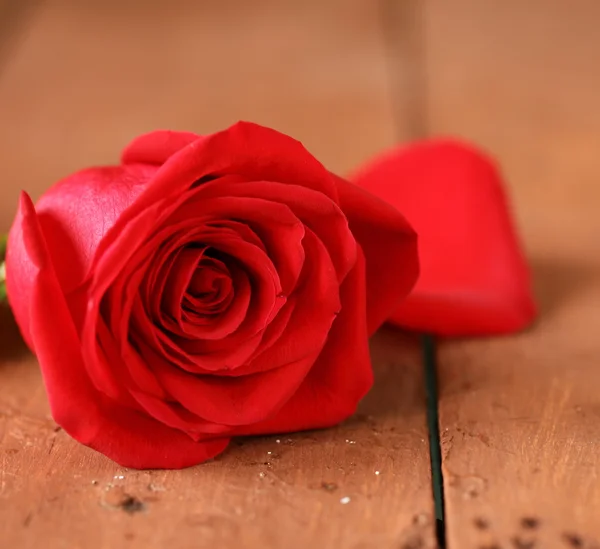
94 482
262 475
345 500
278 441
120 477
351 441
269 453
378 472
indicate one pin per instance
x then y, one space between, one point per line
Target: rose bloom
207 287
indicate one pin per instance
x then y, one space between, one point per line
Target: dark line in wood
428 346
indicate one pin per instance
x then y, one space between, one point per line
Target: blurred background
349 78
80 78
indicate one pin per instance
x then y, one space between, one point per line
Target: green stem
3 238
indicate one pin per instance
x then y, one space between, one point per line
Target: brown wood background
519 415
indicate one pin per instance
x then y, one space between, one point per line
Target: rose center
210 288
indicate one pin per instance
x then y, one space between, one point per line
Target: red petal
76 213
341 376
314 209
73 215
390 248
316 303
233 400
124 435
156 147
474 277
247 149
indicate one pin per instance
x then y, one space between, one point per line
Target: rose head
209 286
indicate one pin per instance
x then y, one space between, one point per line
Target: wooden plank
520 415
90 76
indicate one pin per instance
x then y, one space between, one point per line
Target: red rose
207 287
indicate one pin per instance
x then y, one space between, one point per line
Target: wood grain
86 78
520 416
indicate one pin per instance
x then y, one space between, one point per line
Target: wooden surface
520 416
80 80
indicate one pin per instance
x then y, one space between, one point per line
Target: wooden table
519 416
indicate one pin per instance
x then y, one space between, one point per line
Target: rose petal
390 247
341 376
76 213
234 400
316 305
317 211
104 355
156 147
245 148
177 280
73 215
474 278
177 417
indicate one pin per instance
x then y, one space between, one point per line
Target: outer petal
474 277
128 437
247 149
73 215
390 247
156 147
76 213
